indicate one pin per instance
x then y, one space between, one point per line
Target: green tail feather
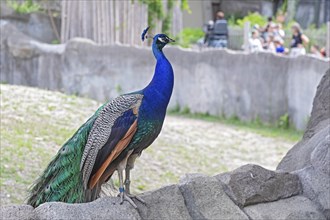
62 179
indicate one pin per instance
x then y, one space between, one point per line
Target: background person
298 41
255 44
218 34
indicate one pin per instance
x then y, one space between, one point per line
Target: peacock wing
109 136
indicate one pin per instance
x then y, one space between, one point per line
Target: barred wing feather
113 122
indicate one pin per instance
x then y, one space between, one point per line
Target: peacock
109 141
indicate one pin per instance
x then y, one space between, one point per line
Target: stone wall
37 25
218 82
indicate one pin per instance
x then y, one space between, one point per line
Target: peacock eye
161 40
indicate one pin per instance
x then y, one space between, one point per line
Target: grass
35 123
267 130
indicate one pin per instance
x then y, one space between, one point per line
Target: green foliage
284 121
156 12
233 119
232 20
25 7
185 110
253 18
258 120
119 90
55 41
185 6
175 109
284 6
189 36
166 26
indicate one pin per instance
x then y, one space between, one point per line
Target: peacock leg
129 167
123 195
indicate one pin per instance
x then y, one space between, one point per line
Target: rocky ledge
299 189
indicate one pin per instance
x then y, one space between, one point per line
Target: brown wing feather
121 145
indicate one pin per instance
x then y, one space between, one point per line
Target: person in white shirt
255 44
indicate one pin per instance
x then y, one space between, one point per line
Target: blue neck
159 90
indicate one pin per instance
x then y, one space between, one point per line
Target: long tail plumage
62 179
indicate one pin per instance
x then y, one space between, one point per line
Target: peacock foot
124 196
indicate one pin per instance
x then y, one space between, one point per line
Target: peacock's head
161 40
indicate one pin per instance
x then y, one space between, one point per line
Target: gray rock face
320 157
310 158
206 199
320 118
251 184
164 203
316 186
103 208
296 207
321 106
36 25
14 212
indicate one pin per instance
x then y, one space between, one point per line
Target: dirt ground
35 123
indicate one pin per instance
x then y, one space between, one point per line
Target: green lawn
266 130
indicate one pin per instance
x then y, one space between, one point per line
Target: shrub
284 121
189 36
253 18
24 8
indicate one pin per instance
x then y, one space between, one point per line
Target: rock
251 184
5 10
297 207
187 177
164 203
206 199
321 107
316 186
310 158
320 157
22 212
35 25
320 118
103 208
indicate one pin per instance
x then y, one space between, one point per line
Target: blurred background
246 73
113 21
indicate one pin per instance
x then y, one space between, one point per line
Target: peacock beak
170 40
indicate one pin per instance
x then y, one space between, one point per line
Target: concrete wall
217 82
37 25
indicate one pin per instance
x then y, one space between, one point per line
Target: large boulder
164 203
103 208
310 158
206 199
320 119
252 184
296 207
13 212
